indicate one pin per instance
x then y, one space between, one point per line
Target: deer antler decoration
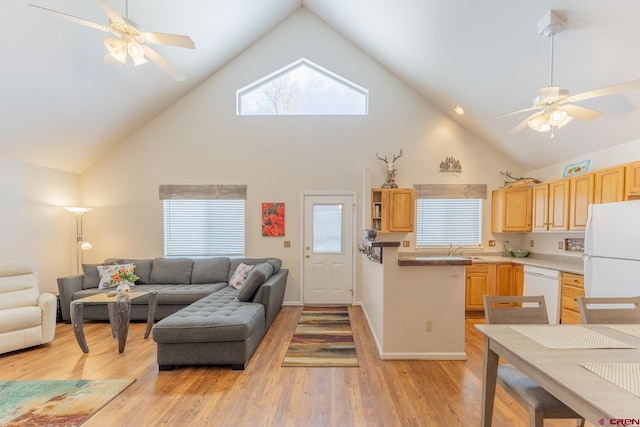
391 170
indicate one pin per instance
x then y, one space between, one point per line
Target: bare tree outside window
280 96
302 88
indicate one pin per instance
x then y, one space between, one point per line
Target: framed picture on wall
273 219
576 168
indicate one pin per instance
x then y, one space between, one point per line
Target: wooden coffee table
119 315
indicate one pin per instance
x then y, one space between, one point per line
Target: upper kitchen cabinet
511 209
393 209
632 181
559 205
581 196
609 185
550 206
540 207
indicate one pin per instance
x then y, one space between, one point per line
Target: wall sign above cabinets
450 164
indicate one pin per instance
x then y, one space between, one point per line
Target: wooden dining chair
540 403
609 310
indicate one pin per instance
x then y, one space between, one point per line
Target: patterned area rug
322 338
55 403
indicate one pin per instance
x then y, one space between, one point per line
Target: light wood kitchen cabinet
518 278
550 206
632 181
504 283
559 205
540 207
572 287
511 209
477 285
489 279
609 185
580 197
393 209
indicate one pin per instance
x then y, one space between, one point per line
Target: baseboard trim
424 356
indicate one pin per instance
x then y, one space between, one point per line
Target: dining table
594 369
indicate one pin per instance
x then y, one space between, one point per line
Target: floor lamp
81 243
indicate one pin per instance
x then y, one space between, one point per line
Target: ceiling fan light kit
129 40
555 106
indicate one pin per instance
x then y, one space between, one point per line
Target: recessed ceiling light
458 109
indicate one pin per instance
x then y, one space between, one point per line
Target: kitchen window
204 221
441 222
449 214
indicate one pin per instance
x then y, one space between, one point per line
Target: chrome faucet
459 250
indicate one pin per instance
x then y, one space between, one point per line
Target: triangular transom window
302 88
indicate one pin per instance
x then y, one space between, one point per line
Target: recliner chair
27 317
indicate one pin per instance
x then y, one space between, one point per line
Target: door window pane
327 228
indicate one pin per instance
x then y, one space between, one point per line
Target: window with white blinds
441 222
200 228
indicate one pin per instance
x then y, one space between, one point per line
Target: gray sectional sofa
201 319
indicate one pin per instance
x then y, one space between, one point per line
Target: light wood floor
378 393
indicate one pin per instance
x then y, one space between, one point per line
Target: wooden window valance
203 192
450 191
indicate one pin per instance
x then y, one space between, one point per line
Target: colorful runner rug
55 403
323 338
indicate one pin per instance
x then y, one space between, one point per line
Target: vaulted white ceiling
61 108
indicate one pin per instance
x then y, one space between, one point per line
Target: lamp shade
78 210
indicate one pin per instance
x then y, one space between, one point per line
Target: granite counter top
560 263
568 266
433 261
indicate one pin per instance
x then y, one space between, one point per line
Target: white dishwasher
545 282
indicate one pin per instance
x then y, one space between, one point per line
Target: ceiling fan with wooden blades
555 107
129 40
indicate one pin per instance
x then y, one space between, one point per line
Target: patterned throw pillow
256 278
240 275
106 271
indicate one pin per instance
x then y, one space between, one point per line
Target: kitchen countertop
568 266
434 261
559 263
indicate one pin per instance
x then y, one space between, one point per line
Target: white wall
200 140
33 223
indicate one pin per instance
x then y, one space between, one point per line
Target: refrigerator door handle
588 234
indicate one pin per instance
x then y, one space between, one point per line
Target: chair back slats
609 310
515 310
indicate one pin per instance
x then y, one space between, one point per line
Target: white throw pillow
240 275
106 271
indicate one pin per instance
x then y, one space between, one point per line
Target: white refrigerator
612 250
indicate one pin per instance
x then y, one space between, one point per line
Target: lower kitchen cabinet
572 287
504 284
477 285
518 278
488 279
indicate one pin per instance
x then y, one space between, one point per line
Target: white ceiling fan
556 106
129 39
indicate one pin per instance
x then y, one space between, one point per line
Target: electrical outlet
530 243
405 243
287 243
560 245
492 242
428 326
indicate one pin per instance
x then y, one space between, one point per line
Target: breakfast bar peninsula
414 304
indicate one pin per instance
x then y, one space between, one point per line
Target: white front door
328 249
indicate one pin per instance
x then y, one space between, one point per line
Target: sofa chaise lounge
202 320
